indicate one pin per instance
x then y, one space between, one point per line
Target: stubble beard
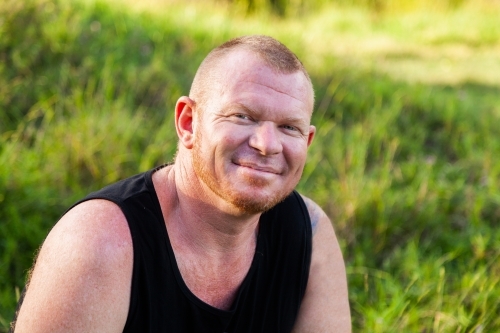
246 203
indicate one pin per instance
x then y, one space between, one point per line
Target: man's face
252 135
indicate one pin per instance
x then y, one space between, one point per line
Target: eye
290 128
242 116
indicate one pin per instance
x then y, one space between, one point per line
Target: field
406 160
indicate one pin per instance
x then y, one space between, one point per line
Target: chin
248 193
254 204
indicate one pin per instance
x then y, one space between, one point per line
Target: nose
265 139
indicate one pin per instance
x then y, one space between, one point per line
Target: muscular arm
81 280
325 307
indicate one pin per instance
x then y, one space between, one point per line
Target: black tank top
269 297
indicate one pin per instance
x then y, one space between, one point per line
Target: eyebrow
290 119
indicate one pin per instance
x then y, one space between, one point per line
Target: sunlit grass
405 160
412 41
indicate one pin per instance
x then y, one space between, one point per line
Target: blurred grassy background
405 161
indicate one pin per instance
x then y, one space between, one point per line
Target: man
218 241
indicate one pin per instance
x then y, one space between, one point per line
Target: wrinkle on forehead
242 66
280 91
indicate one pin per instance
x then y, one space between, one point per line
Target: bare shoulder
315 212
325 307
82 276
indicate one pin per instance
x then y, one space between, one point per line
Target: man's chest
214 281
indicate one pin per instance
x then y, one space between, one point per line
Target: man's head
273 53
246 125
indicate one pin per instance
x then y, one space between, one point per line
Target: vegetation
405 161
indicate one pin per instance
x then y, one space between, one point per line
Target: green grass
405 160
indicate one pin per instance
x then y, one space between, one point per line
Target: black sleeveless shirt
269 297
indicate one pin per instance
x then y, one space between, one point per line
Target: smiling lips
257 167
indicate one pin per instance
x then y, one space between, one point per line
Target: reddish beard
245 202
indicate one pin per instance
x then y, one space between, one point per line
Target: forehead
245 78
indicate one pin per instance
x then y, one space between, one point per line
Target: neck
199 220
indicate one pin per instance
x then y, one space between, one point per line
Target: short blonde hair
274 54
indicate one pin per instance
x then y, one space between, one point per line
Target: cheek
230 137
221 146
227 138
295 156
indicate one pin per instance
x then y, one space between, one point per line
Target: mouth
257 167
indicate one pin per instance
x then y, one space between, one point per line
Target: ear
310 137
184 114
